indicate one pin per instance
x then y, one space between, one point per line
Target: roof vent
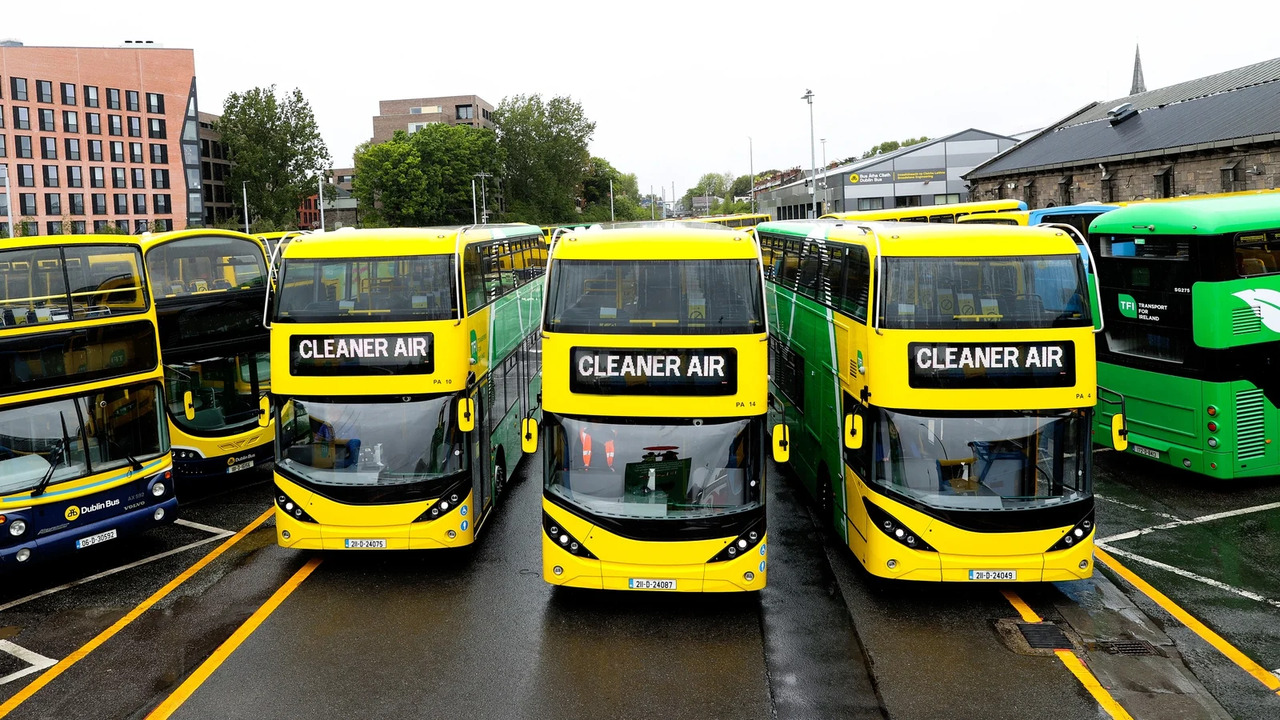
1120 113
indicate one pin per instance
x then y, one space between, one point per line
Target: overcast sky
676 88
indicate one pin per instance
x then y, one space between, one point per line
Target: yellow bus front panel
619 563
328 525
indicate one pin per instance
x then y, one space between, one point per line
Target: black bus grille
1250 425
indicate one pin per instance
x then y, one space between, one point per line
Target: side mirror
781 443
466 415
529 436
1119 433
264 411
188 405
853 431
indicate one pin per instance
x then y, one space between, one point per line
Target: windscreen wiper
61 450
133 462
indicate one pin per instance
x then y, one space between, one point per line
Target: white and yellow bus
948 213
653 431
403 361
939 382
84 447
209 288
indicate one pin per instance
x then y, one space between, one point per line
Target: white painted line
37 661
1190 575
200 526
1194 521
113 571
1131 506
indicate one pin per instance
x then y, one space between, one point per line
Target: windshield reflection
686 470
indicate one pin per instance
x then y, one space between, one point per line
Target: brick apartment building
409 115
220 200
98 136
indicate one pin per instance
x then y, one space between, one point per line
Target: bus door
480 462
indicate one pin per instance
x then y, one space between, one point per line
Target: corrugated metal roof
1247 76
1223 116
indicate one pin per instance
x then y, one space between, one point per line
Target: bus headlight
1076 535
741 545
23 555
158 489
895 528
561 537
291 508
1212 442
446 503
17 527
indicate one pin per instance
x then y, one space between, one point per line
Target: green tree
425 178
890 145
277 152
544 144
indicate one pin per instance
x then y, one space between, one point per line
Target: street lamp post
751 169
813 158
244 190
826 200
484 203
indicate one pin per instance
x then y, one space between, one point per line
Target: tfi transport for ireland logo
1266 303
1128 306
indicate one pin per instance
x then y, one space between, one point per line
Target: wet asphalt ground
478 634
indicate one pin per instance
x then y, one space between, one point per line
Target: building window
117 178
100 225
75 201
1 116
97 177
139 204
73 148
24 145
466 112
117 151
1231 181
114 125
135 126
139 178
131 100
4 151
155 128
74 177
90 96
27 176
140 226
135 152
18 88
54 227
1064 190
1164 182
122 203
52 204
93 123
95 151
160 179
122 226
99 207
155 103
51 176
68 93
27 203
49 148
44 91
946 199
871 203
46 120
113 99
70 121
159 154
77 227
21 118
161 204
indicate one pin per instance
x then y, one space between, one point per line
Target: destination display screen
991 365
334 355
646 371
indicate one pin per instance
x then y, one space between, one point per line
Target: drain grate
1124 647
1044 636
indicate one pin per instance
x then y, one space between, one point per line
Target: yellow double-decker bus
403 362
736 220
84 448
209 288
949 213
939 382
655 355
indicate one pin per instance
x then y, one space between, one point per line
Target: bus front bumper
449 531
81 537
895 562
743 574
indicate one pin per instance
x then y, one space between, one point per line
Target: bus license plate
639 584
366 544
993 574
1145 451
240 466
95 539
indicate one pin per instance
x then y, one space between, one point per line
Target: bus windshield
72 282
224 392
397 289
983 462
985 292
371 444
656 297
681 470
203 264
79 435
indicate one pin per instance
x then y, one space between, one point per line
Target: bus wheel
499 480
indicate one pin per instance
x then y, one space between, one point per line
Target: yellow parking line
1262 674
202 673
1073 663
63 665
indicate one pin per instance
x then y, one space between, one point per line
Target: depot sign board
331 355
648 371
991 365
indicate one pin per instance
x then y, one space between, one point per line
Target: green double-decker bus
1191 301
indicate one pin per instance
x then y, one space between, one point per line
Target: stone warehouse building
1217 134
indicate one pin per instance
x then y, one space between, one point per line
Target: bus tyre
499 480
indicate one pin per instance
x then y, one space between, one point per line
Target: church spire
1139 85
